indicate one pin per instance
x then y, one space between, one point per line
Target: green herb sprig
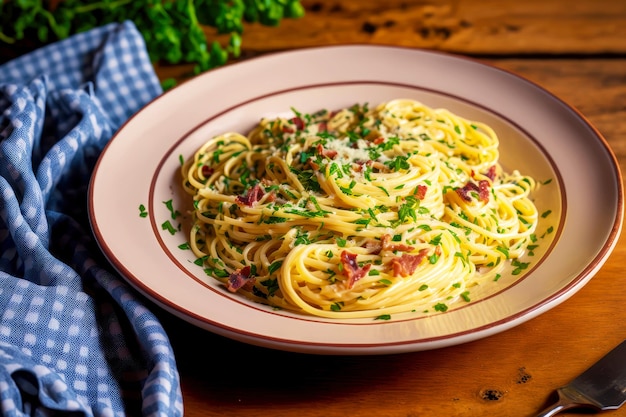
175 31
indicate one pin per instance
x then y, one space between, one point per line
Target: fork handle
568 398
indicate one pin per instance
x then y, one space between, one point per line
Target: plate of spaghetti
396 200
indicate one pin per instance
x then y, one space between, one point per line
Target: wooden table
575 49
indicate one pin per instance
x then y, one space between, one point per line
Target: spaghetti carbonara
361 212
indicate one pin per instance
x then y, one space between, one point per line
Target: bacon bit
288 129
311 163
327 153
388 245
463 192
406 264
352 269
207 171
298 122
482 189
379 140
322 127
254 194
240 279
491 174
420 193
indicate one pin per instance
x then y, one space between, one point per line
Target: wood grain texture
486 27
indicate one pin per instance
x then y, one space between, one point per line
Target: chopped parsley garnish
167 225
275 266
441 307
170 206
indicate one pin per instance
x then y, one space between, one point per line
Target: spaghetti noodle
362 212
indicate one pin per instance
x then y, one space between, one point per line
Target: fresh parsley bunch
174 30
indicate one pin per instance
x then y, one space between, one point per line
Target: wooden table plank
486 27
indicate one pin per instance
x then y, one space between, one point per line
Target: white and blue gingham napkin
73 336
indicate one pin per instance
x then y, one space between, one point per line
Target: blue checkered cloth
74 337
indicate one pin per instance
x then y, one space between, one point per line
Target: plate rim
470 334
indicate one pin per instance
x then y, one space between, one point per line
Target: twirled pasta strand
358 213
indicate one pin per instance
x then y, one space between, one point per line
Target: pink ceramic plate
540 136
